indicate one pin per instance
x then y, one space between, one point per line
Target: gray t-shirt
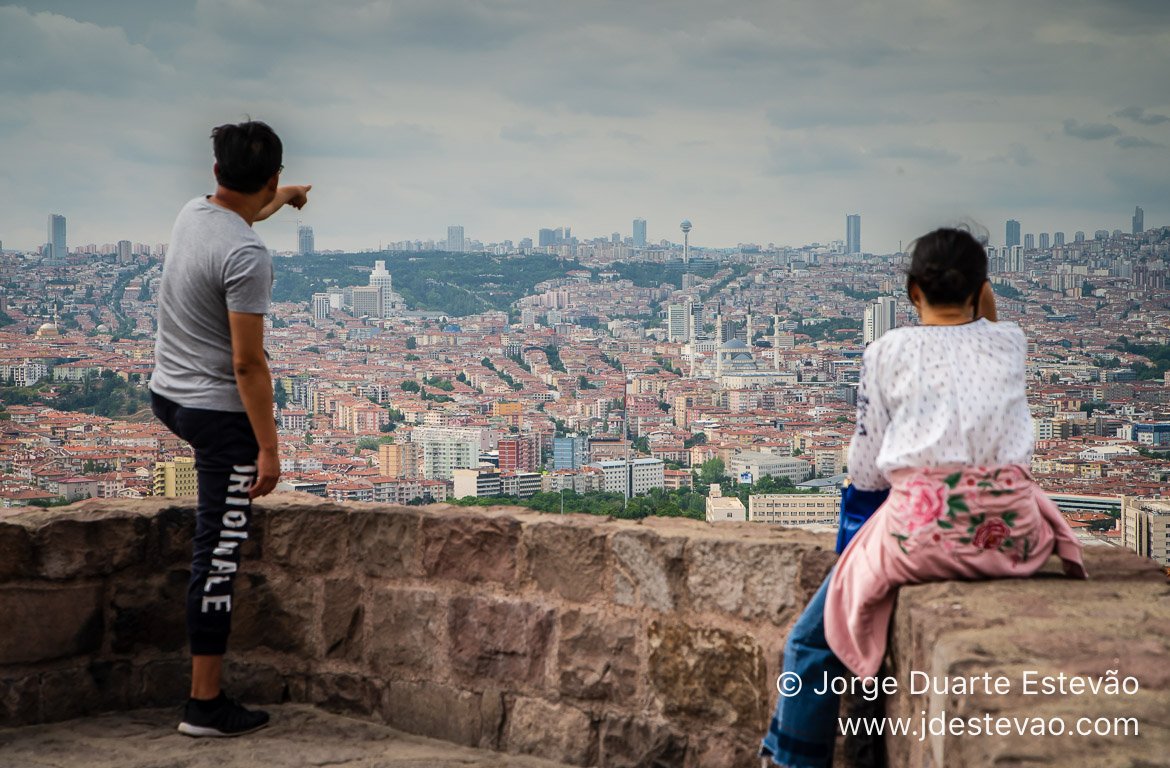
215 263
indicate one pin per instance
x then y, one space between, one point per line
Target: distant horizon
758 121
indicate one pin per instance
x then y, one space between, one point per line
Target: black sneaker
220 717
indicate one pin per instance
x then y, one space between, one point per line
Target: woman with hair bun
943 423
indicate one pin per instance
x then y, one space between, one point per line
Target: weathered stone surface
173 530
383 542
597 656
164 683
16 551
470 547
500 640
149 613
346 694
254 681
81 690
629 742
20 700
341 623
309 539
727 749
815 564
554 731
706 673
648 569
406 632
756 581
434 710
49 622
275 611
90 544
567 560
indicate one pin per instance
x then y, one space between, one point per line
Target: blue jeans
803 731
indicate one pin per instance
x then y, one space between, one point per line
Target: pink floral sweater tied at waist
940 524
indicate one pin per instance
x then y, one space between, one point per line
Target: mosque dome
48 330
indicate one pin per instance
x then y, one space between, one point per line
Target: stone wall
583 640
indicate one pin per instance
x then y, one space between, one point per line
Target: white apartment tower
880 316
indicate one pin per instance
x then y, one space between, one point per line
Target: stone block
567 559
149 612
406 632
307 539
382 543
163 683
77 691
90 544
434 710
710 674
20 700
470 547
341 622
16 551
815 563
728 749
556 732
597 656
346 694
47 622
649 570
505 641
275 611
629 742
752 580
254 681
173 530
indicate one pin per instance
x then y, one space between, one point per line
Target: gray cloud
527 133
1017 154
1139 115
930 155
1089 131
1137 142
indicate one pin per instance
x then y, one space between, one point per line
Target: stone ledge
597 641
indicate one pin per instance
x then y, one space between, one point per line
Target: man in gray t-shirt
211 386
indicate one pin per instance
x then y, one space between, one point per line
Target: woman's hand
985 305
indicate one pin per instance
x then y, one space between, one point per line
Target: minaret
776 340
748 329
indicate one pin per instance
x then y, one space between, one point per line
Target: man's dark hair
949 266
247 155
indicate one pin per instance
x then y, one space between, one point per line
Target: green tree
410 386
411 343
712 471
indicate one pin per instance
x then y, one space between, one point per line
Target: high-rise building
853 233
1139 220
570 452
1079 237
124 252
305 242
639 233
1044 241
1014 259
398 460
56 241
175 479
679 321
445 449
1012 233
367 301
1058 239
880 317
546 237
518 453
455 240
381 279
1029 242
321 306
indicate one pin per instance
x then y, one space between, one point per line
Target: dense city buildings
584 371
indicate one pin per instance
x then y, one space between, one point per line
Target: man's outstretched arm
295 195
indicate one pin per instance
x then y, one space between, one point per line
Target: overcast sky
760 120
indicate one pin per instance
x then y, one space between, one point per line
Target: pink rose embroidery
991 534
926 502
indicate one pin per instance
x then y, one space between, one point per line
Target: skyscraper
1014 259
124 252
546 237
639 233
1058 239
1079 237
56 240
679 321
305 242
1044 241
1012 236
455 239
880 317
1029 242
853 233
384 282
1139 220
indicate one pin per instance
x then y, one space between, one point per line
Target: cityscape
615 375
